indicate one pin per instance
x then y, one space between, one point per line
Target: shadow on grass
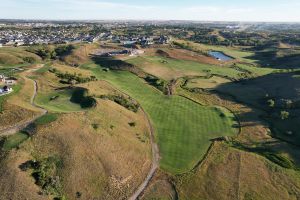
271 59
284 89
111 63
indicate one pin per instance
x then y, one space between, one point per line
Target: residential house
10 81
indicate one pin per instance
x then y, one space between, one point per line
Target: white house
10 82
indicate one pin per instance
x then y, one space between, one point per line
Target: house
10 81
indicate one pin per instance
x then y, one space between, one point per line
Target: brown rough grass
104 163
235 174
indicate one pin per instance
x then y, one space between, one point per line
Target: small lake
220 56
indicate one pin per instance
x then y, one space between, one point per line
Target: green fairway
183 128
60 104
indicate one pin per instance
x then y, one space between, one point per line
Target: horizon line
148 20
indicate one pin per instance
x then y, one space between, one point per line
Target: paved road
18 127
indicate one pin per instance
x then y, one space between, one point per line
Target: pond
220 56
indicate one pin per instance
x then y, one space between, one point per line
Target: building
10 81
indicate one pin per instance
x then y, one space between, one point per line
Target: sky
198 10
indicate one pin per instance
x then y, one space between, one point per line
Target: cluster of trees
44 171
123 101
157 83
48 52
287 104
72 78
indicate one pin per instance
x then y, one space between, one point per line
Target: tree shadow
111 63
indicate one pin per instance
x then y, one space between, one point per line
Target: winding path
18 127
155 161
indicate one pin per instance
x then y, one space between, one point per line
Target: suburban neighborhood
25 34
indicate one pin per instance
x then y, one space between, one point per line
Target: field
182 144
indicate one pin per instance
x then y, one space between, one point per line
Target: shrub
121 100
30 60
95 126
46 175
271 103
284 115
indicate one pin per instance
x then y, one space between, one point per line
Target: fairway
183 128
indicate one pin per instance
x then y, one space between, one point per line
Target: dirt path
18 127
155 161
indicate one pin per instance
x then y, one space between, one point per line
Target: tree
271 103
284 115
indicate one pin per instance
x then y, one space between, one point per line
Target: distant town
37 33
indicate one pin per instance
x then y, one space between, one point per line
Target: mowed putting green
183 128
57 101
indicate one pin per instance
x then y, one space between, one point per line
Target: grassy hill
17 56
